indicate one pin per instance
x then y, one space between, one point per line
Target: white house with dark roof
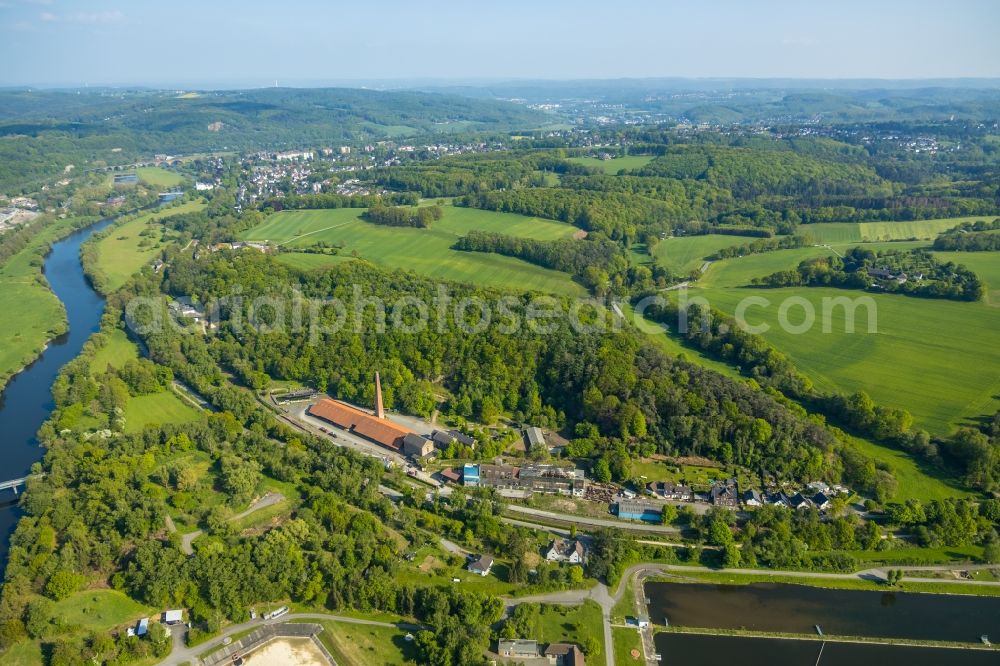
566 550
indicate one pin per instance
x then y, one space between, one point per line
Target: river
26 402
798 609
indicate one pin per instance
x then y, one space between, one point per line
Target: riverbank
33 315
27 398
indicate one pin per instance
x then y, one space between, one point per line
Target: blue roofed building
638 510
470 475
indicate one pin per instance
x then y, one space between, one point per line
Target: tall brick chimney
379 411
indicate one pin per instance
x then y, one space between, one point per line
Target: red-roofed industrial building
380 431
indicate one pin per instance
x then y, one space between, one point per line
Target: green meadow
424 251
142 410
927 356
687 253
858 232
124 251
158 177
615 165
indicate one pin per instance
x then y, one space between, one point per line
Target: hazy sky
187 42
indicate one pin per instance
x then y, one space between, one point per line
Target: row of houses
557 654
529 478
726 493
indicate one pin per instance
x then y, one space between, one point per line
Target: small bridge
13 484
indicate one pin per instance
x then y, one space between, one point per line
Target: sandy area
287 652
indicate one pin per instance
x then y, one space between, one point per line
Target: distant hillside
43 131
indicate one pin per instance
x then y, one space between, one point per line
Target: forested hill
43 131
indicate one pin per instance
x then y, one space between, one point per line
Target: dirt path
267 500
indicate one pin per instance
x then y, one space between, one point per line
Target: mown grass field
158 177
424 251
626 640
612 167
124 251
856 232
156 409
360 645
116 353
984 264
571 624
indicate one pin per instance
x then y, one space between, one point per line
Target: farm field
984 264
927 356
158 177
123 252
856 232
615 165
915 479
424 251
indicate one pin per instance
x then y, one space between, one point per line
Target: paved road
181 653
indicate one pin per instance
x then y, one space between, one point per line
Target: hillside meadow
927 356
124 250
858 232
424 251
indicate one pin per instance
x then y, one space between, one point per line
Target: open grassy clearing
118 351
615 165
99 610
157 409
359 645
687 253
915 479
849 232
627 640
425 251
123 252
570 624
159 177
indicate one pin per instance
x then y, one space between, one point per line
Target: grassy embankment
32 313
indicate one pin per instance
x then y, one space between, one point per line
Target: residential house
752 498
801 502
779 499
821 501
442 439
518 648
670 490
481 565
724 493
566 550
564 654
